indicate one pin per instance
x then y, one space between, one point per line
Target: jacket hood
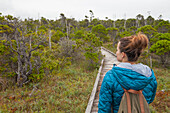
136 76
140 68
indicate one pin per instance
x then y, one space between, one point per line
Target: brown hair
133 46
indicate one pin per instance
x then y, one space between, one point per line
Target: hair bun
139 41
133 45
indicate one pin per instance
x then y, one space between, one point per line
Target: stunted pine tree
18 38
161 47
92 49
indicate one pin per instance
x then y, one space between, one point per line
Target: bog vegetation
51 65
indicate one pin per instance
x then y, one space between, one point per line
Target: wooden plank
96 100
95 109
106 65
95 104
108 68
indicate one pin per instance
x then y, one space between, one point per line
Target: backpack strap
140 99
128 100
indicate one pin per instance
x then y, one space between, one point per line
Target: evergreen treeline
31 49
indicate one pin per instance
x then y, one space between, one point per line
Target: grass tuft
65 92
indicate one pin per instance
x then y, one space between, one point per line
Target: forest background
51 65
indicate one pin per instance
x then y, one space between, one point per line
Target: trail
106 65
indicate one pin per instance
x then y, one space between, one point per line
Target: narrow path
109 60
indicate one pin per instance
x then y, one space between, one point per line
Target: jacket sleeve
105 96
150 90
154 85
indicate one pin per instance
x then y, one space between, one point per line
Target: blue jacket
135 77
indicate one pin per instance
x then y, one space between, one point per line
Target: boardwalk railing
91 100
108 51
106 64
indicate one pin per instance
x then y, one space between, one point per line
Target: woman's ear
123 54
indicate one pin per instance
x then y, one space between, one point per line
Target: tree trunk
150 61
50 39
19 70
125 24
137 23
30 42
36 29
150 58
67 29
113 23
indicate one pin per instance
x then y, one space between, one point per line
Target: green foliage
112 29
79 43
90 27
7 60
9 17
6 29
125 34
164 36
163 27
101 32
79 34
90 55
57 35
84 23
155 38
95 21
130 23
44 21
92 40
161 47
66 47
112 32
121 29
53 55
133 29
119 23
2 48
92 51
36 77
43 28
148 30
48 63
150 20
160 36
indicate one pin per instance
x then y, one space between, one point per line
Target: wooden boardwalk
106 65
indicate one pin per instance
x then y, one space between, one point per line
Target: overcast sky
113 9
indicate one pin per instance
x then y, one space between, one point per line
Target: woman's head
132 47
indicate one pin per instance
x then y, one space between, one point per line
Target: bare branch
13 48
34 89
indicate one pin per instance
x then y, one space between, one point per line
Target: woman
128 74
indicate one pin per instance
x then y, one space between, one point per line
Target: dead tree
19 42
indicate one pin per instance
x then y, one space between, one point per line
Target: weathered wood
95 109
108 51
90 103
106 65
96 100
